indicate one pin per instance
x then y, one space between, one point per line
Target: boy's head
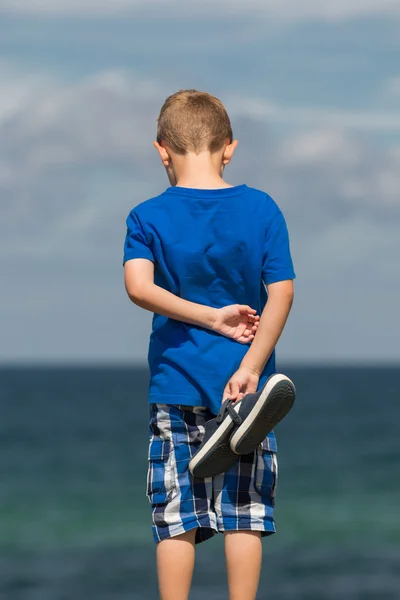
192 121
193 124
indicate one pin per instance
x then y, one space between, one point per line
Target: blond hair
193 121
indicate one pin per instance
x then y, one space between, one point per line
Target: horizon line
121 364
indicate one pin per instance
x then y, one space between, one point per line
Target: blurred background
313 91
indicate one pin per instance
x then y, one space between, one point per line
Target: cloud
75 158
391 90
314 116
68 151
277 9
363 173
100 118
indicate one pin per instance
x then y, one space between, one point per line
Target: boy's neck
199 171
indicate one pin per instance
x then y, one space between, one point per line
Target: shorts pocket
266 473
161 473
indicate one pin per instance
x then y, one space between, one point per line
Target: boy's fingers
227 390
246 308
253 319
234 390
247 335
240 397
245 339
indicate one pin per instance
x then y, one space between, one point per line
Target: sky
313 91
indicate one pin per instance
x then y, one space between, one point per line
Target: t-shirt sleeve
136 244
277 261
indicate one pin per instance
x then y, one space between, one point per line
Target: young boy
207 258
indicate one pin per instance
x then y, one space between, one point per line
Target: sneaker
214 455
260 412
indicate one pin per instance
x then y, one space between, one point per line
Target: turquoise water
75 523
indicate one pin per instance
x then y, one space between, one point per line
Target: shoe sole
275 401
216 456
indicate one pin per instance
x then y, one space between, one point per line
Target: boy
198 257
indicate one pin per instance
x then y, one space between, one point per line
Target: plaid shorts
240 499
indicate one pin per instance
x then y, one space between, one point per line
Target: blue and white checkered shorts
240 499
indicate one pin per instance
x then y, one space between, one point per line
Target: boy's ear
165 158
228 152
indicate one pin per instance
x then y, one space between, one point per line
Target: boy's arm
238 322
272 322
278 274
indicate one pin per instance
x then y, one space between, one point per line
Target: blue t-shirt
213 247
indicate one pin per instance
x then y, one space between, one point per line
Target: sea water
75 522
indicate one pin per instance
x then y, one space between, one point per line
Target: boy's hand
244 381
237 321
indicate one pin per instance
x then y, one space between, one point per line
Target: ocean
75 522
